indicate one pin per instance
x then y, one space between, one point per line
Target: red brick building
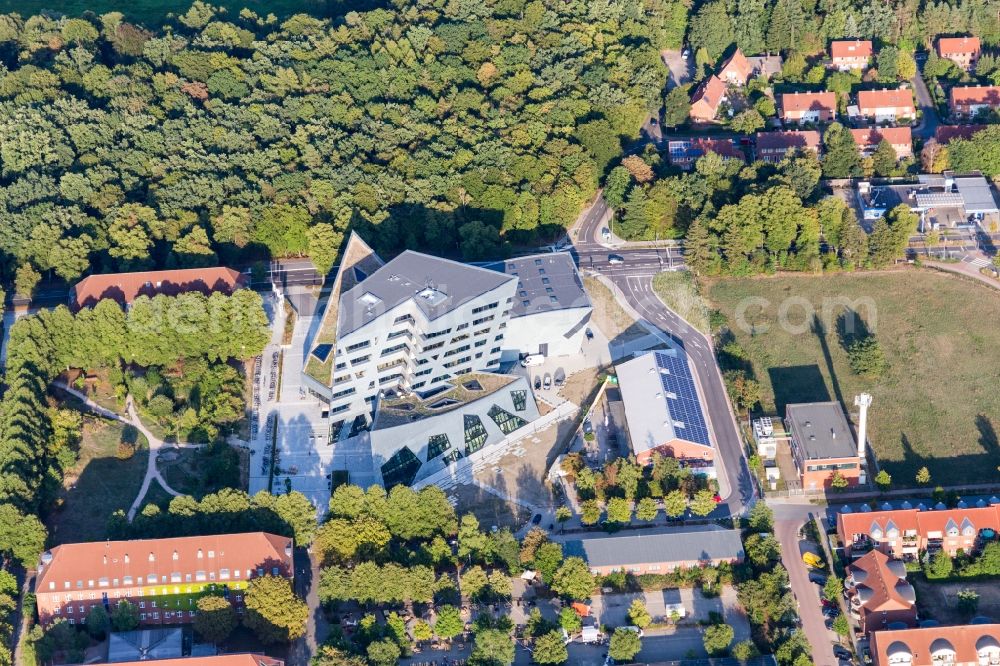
736 70
822 444
847 54
163 577
706 100
243 659
808 107
900 138
887 105
971 645
684 153
904 533
879 592
967 101
963 51
945 134
772 146
126 287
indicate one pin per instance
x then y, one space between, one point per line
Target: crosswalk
979 262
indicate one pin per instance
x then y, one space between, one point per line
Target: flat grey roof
436 285
821 430
684 544
545 282
976 193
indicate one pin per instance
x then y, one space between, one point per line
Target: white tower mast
863 402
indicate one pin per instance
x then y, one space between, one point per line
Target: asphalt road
634 278
927 126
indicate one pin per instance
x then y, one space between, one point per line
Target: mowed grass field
152 13
938 404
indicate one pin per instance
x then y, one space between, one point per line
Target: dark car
828 604
538 383
817 578
537 519
841 652
590 334
831 612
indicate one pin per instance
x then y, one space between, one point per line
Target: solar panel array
682 397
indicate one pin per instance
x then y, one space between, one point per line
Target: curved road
634 279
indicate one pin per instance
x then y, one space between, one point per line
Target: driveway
788 519
680 69
927 126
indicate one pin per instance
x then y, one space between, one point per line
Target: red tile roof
853 48
126 287
872 136
968 95
246 659
957 46
888 590
807 101
706 100
736 68
947 133
783 140
921 644
897 98
923 522
93 566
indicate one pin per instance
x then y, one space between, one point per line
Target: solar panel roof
682 397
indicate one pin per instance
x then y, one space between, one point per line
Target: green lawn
152 12
938 404
99 484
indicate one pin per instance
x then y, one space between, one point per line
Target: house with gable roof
880 596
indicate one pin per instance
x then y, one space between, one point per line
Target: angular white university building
410 350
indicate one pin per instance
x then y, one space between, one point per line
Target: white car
532 360
606 233
615 259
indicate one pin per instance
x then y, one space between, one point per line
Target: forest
452 127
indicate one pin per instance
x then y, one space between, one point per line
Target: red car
717 498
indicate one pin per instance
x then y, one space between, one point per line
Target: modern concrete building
413 324
848 54
964 645
550 311
880 596
963 51
905 533
822 444
663 410
414 437
163 577
126 287
657 551
941 200
773 146
808 107
967 101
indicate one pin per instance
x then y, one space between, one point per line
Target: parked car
818 578
537 519
831 612
538 382
532 360
588 427
589 333
828 604
813 560
547 382
606 233
840 652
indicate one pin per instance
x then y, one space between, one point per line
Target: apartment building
964 645
880 596
413 324
967 101
126 287
868 140
241 659
773 146
684 153
903 533
707 99
963 51
822 444
162 577
808 107
886 106
848 54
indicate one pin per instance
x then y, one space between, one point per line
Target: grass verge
609 316
100 483
680 293
936 404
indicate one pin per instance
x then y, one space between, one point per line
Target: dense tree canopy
229 134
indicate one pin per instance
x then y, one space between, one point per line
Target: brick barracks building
162 577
